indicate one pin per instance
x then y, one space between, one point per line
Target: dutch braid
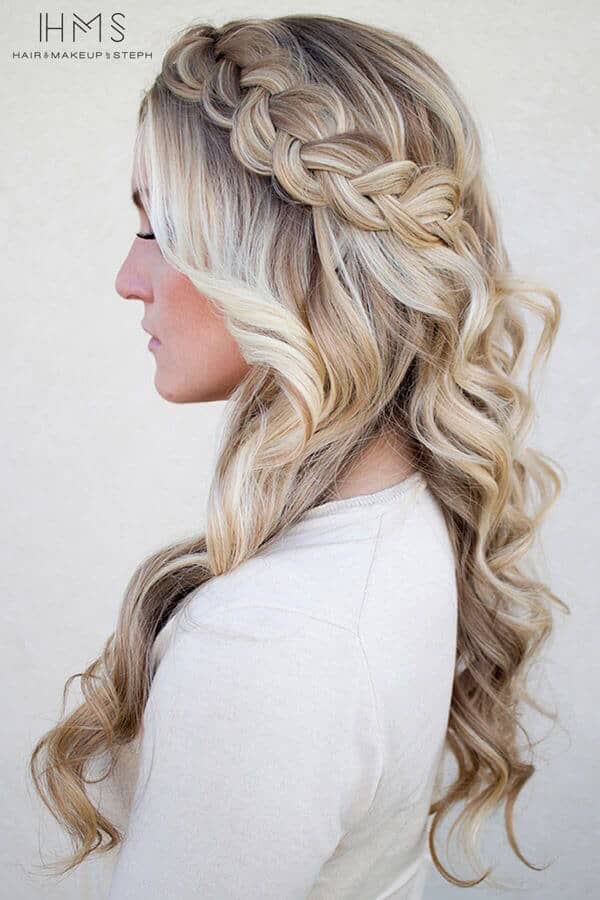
318 156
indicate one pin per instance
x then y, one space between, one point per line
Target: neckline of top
384 495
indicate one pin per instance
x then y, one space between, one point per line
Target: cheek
194 319
199 352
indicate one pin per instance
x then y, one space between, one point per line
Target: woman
317 244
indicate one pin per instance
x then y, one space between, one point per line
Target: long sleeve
260 749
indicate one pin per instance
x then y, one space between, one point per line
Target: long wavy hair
321 180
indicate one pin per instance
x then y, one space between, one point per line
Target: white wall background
99 470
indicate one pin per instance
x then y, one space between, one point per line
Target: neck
384 462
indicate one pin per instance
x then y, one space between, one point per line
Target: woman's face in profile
197 359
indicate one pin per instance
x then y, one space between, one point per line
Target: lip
150 333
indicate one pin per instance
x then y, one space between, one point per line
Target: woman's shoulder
324 567
259 656
262 599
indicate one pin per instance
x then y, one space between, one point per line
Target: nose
132 283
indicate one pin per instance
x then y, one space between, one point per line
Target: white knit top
297 718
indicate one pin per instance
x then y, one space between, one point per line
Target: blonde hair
322 181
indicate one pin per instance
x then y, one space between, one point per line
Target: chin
186 394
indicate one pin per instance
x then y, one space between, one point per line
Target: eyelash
146 236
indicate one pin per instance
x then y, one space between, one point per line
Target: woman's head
300 173
327 255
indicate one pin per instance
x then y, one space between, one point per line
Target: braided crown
303 135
